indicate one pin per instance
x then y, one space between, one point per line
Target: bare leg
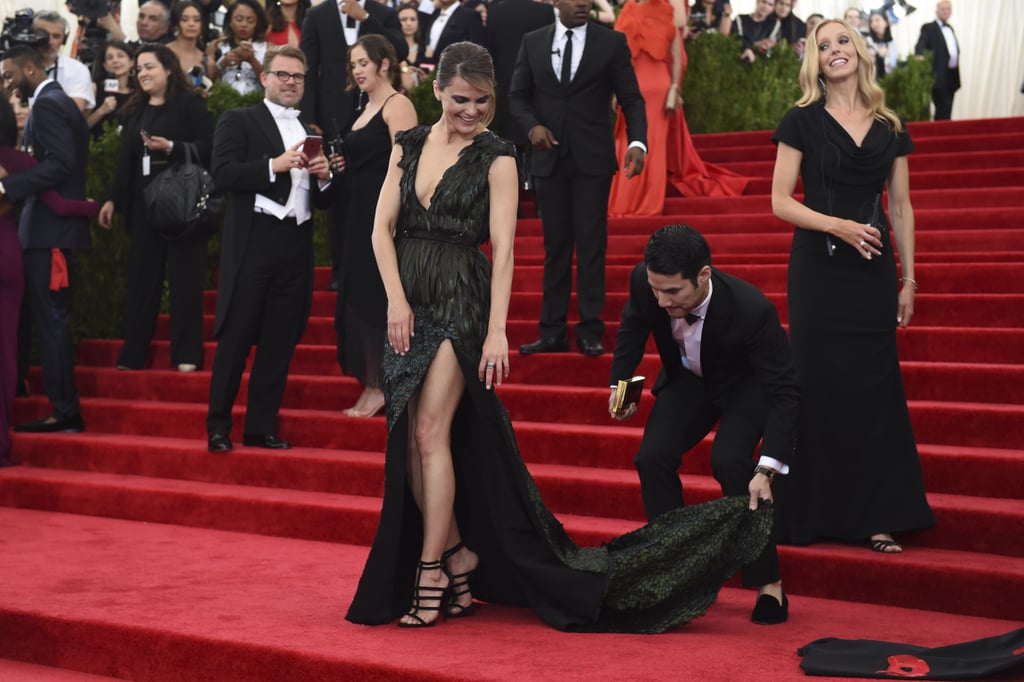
431 435
370 402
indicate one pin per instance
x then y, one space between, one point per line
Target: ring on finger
862 243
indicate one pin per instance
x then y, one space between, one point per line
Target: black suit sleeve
52 134
310 45
634 329
627 92
520 92
231 170
384 20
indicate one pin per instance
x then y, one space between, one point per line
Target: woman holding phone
361 313
237 57
163 115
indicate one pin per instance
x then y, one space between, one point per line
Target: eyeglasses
284 76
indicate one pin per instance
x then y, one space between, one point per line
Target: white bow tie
288 113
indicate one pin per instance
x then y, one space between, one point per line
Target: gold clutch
627 392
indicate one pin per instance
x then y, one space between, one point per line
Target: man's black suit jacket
323 41
580 115
931 39
464 24
742 340
243 144
507 22
58 135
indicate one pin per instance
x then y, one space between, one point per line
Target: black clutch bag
627 392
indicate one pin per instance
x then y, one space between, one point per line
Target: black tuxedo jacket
323 40
580 115
58 137
507 22
243 144
931 39
463 24
742 341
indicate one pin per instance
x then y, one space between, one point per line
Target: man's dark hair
25 54
677 249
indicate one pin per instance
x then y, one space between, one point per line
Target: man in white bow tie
266 264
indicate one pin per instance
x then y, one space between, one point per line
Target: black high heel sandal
459 584
423 593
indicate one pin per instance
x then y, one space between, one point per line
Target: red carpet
130 552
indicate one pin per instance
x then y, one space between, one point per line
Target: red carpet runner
130 552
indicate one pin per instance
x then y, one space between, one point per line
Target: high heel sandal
459 584
425 593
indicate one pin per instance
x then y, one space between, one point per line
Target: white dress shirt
351 33
297 206
951 46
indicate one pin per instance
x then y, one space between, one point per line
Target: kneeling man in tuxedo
266 261
725 360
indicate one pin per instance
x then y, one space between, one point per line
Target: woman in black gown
453 475
361 304
857 474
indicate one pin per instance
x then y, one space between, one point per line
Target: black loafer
768 611
542 345
72 424
220 443
590 347
255 440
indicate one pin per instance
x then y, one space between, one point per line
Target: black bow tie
691 318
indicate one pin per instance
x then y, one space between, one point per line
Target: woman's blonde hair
813 85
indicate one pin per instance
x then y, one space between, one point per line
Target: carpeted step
17 671
167 603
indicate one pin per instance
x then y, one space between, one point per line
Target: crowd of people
421 312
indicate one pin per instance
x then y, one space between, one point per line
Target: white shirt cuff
637 143
774 464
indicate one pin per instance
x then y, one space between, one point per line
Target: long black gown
360 316
646 581
856 471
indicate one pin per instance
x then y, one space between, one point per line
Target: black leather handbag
182 200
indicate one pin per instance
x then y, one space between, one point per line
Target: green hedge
724 94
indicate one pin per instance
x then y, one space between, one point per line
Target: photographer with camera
72 75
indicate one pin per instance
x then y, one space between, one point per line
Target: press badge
145 165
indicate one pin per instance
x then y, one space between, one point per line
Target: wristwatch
767 472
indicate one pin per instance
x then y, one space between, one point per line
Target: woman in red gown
660 61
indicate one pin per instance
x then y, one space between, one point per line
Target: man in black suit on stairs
726 361
328 31
938 38
266 264
560 96
58 137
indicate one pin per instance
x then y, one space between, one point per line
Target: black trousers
269 308
574 213
51 311
943 99
681 417
184 262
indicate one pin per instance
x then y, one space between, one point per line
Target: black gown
361 309
646 581
856 471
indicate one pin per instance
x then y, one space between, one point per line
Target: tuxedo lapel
543 52
716 324
266 125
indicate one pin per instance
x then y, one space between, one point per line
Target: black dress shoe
220 443
590 347
768 611
264 441
542 345
73 424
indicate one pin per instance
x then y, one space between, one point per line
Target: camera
91 9
18 30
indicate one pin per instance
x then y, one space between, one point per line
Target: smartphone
312 146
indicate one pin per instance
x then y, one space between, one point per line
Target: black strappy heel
459 584
425 595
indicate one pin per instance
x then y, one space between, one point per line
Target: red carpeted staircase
129 551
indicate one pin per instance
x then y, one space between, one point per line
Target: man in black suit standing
560 96
58 137
266 261
507 22
328 31
938 38
726 360
452 21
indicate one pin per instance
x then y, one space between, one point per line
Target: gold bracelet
908 279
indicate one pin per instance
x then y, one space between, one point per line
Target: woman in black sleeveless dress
360 314
856 476
451 450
